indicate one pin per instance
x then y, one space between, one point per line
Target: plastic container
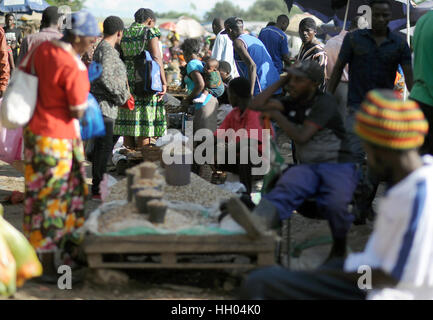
179 174
157 210
144 196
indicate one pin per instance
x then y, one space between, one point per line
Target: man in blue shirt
275 41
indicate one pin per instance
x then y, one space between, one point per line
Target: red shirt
248 120
63 85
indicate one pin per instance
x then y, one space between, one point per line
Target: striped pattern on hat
389 122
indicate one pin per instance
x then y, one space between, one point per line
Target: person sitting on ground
399 254
213 82
240 118
315 122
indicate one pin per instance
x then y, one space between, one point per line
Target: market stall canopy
190 28
171 26
297 18
23 6
35 16
327 10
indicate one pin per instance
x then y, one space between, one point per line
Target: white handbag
19 101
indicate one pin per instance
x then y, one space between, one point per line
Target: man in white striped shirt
397 262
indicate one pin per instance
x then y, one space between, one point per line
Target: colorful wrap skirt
55 191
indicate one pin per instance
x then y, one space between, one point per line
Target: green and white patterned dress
148 119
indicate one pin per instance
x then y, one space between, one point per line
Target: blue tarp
23 6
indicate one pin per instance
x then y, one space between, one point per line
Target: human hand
162 93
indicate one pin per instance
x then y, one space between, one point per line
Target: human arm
113 81
156 56
218 48
23 50
408 76
4 64
336 76
298 134
406 65
240 49
344 57
75 83
199 86
261 101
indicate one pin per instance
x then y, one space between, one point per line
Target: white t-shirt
223 51
402 239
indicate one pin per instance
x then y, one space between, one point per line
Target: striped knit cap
389 122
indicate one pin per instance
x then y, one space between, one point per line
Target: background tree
74 4
224 9
174 15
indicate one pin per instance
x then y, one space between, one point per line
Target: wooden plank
151 245
114 265
94 260
266 259
168 258
175 248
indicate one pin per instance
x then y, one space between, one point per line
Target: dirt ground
170 284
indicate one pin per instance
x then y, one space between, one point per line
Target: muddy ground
170 284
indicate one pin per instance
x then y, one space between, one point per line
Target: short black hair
113 25
308 23
240 87
191 46
271 24
234 23
143 14
373 2
50 16
10 14
283 18
225 66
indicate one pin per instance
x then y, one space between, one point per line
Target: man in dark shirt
373 57
314 121
13 35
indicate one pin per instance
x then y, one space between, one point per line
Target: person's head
234 27
146 17
191 49
10 20
83 32
239 92
381 14
283 22
271 24
113 28
307 30
306 76
217 25
225 70
50 17
211 65
390 129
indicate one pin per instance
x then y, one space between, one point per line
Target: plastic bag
11 141
92 123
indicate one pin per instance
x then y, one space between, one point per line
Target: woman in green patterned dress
148 119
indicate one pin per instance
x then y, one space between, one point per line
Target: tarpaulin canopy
327 10
23 6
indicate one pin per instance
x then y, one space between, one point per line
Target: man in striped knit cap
397 262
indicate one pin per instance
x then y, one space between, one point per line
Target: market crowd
339 102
